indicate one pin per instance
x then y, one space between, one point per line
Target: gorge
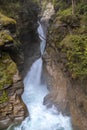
34 93
43 60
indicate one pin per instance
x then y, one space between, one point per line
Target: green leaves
75 47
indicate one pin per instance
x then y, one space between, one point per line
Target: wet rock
58 91
12 108
4 123
78 102
12 111
68 95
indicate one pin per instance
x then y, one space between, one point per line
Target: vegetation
75 47
70 35
7 70
4 20
5 37
3 97
7 66
25 13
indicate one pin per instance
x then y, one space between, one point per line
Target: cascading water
40 117
42 37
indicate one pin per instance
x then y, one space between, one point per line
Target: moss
10 9
7 67
11 69
5 37
7 70
3 97
65 12
4 20
75 47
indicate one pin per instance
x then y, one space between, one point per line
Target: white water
42 37
40 117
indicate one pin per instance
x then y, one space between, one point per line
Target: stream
40 117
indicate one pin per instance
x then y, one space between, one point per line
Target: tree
73 6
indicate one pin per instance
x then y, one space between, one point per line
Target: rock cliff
18 42
65 65
12 108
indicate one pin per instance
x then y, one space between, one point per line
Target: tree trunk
73 7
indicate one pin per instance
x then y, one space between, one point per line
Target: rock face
78 105
12 109
28 35
65 93
57 83
68 93
19 48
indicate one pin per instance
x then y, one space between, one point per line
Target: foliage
81 8
60 4
65 12
67 18
75 47
69 34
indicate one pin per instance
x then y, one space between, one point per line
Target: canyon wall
67 79
18 42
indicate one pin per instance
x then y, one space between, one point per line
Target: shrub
81 8
75 47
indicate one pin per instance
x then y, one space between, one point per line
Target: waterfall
40 117
42 37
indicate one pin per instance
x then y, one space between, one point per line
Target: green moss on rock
7 69
5 37
4 20
3 97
